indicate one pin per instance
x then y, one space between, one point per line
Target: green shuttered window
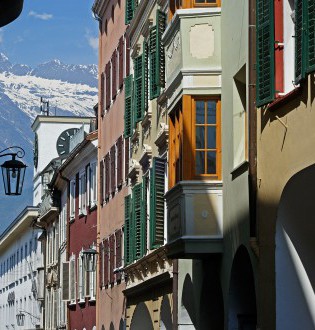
265 60
160 60
299 42
129 10
128 105
154 89
145 76
157 189
138 91
310 10
128 230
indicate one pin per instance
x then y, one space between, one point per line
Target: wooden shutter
137 223
128 106
160 58
65 281
108 96
113 168
101 265
299 42
126 158
144 216
121 62
107 176
106 262
154 89
72 279
130 7
102 181
310 10
102 95
118 238
157 187
114 74
265 58
128 231
112 258
145 76
127 49
119 161
137 67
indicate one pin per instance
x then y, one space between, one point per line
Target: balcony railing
195 219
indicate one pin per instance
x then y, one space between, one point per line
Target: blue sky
52 29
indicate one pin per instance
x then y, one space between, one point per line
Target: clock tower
52 135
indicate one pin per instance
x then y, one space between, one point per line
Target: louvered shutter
102 95
119 161
102 181
310 10
106 262
160 58
111 258
126 158
113 168
299 41
114 74
137 67
154 89
157 187
101 265
121 62
107 176
130 7
72 280
118 236
145 76
128 105
65 281
144 212
265 58
127 50
108 96
128 231
137 217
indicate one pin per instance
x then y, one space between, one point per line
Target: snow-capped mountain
70 89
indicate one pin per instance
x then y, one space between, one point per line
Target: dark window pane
211 114
211 162
200 162
200 112
200 137
211 142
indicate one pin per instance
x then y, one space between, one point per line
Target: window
183 4
93 185
81 279
72 280
72 199
82 193
195 139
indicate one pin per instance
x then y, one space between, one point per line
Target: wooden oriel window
195 139
183 4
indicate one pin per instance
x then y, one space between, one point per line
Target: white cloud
92 41
43 16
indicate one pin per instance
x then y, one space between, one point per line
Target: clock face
63 142
35 150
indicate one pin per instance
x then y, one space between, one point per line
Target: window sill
71 219
281 100
93 207
82 214
72 303
92 299
81 302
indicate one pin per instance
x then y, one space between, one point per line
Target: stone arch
141 318
166 322
242 313
187 311
295 252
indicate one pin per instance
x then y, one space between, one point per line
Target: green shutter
310 57
160 58
128 232
136 208
137 67
265 88
299 42
157 187
144 217
129 10
154 89
128 105
145 78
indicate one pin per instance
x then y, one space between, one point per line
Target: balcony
195 219
49 207
192 44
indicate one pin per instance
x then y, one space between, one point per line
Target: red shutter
126 158
101 101
106 262
114 75
121 62
112 168
107 176
127 44
118 236
119 161
101 266
102 181
112 258
107 73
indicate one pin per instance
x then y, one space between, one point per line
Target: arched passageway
141 319
166 314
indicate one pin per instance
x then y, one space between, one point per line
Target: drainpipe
252 117
175 294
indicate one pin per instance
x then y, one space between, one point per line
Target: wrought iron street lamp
13 171
89 259
20 317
